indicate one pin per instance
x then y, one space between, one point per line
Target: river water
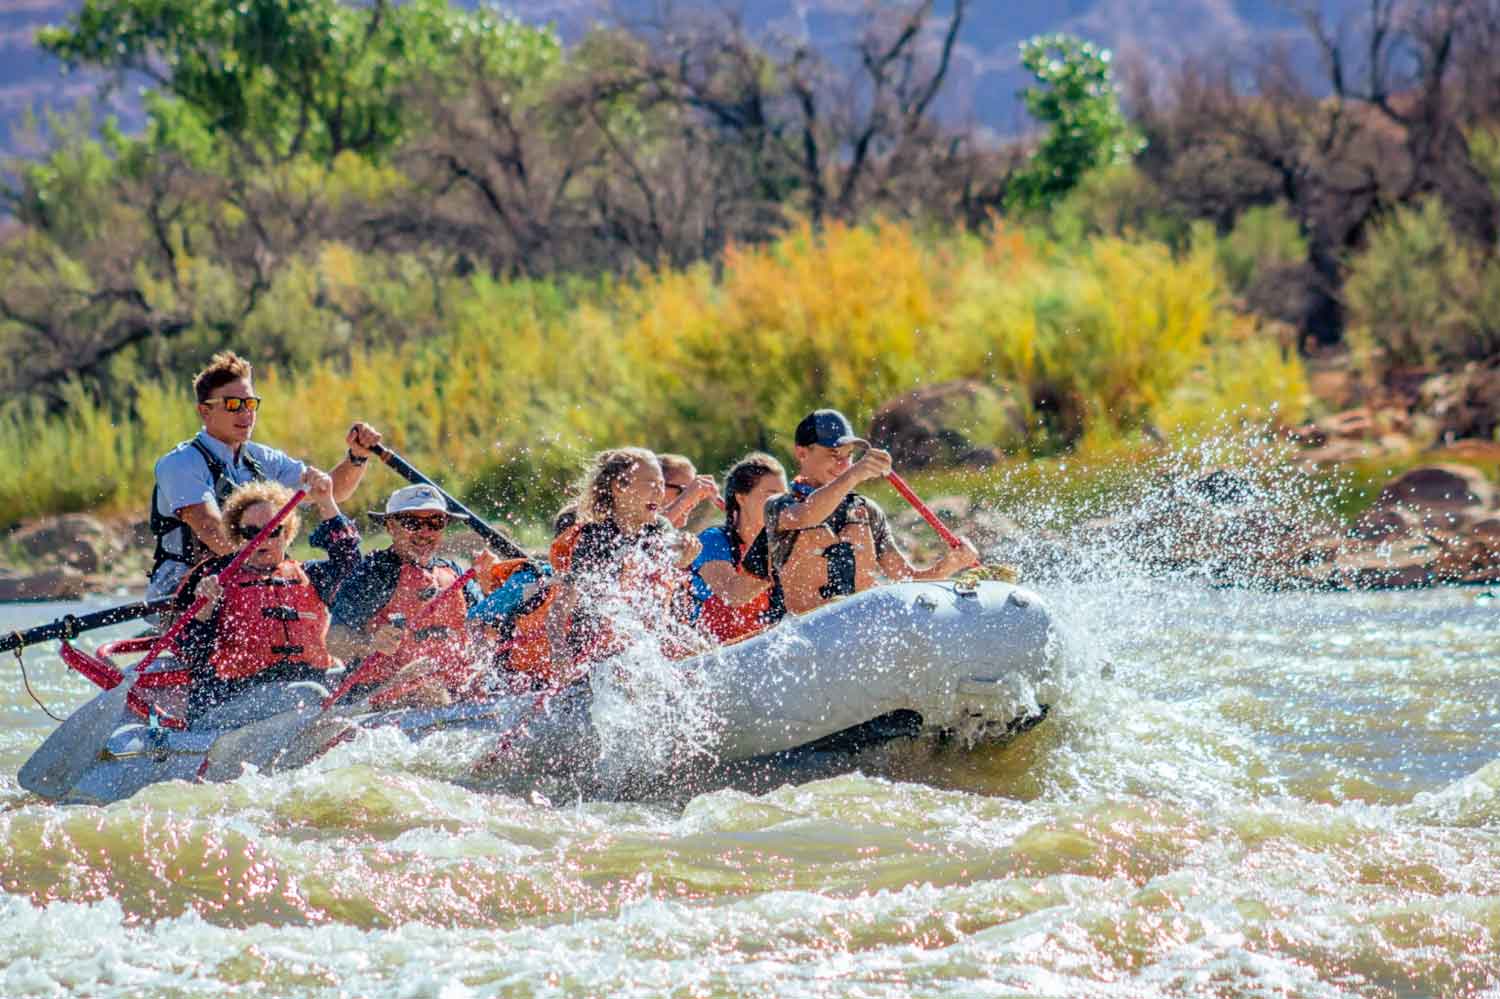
1240 794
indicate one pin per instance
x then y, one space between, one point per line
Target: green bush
1418 296
1263 238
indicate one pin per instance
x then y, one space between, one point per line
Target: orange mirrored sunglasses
235 403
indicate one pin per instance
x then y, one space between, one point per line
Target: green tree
288 78
1076 98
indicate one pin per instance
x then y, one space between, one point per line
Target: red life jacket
726 623
440 634
269 620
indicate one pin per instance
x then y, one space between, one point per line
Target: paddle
497 541
66 754
71 626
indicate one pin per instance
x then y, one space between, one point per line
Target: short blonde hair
251 493
224 367
596 498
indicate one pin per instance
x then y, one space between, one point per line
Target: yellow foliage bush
521 380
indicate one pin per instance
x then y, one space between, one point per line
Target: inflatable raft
974 662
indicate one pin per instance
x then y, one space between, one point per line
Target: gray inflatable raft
975 662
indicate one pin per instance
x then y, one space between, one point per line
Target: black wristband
355 459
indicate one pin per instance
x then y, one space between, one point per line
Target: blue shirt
183 480
716 548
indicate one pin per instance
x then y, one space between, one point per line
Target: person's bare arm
205 521
822 502
347 474
898 569
703 487
734 588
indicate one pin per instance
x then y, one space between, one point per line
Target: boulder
1222 487
49 584
1400 565
1465 403
1337 452
1338 388
74 540
1447 488
953 423
1381 523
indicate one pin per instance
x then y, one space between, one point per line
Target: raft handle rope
26 681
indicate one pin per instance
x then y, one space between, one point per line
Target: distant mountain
984 82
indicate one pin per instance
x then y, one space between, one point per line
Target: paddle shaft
899 484
497 541
226 575
71 626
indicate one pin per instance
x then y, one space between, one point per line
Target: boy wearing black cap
825 540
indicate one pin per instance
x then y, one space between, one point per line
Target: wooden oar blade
61 761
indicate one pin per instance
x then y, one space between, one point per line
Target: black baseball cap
827 427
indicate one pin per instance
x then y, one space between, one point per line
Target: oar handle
72 626
497 541
225 577
899 484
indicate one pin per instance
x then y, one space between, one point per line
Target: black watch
355 459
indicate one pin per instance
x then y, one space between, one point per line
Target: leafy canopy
295 77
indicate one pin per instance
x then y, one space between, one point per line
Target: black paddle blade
66 755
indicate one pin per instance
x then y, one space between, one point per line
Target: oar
497 541
71 626
262 742
61 760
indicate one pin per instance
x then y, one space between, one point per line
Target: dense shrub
1419 296
520 380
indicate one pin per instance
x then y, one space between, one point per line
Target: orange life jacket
561 553
440 635
269 620
525 645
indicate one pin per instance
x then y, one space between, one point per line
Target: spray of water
650 713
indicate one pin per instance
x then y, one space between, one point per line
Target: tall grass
522 380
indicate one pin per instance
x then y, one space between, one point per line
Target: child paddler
377 607
195 478
825 539
732 574
271 623
629 565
